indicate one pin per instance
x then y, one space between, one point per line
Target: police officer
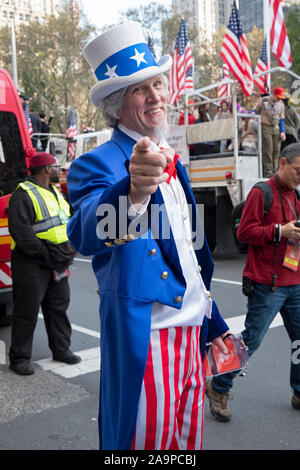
41 254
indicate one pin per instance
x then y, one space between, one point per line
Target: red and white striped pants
170 413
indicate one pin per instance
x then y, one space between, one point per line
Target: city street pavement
57 407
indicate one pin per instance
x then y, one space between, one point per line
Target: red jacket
191 119
259 232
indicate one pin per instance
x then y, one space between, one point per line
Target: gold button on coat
164 275
208 294
178 299
152 252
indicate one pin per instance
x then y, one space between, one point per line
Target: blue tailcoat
129 281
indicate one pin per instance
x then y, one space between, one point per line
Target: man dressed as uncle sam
136 214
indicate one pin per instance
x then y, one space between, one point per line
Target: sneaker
22 367
67 358
218 403
295 402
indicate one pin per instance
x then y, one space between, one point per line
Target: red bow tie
170 168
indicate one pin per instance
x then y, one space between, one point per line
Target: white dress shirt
196 303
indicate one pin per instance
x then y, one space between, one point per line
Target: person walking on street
40 257
271 277
156 310
271 110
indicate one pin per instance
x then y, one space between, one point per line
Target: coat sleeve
217 326
98 193
251 230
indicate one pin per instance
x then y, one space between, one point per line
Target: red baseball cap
42 159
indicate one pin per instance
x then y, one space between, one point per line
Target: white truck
222 180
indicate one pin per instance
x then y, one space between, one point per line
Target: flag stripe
181 73
70 134
224 89
235 54
262 66
278 36
170 414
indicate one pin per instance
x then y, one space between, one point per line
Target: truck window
12 159
89 143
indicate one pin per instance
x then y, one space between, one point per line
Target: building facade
252 12
209 15
223 10
200 14
24 11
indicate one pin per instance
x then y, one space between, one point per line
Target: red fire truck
15 150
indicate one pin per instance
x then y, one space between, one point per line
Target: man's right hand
146 170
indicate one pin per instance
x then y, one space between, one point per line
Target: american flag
279 40
262 66
181 73
29 124
224 88
70 134
234 52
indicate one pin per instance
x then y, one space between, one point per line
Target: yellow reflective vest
52 213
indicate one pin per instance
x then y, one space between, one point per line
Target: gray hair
111 105
291 152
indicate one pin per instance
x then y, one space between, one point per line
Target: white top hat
121 57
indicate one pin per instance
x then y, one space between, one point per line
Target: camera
297 224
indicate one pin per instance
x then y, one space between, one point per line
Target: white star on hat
111 71
139 57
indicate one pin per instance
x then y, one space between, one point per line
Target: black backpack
238 209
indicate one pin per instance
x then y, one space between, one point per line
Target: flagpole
267 36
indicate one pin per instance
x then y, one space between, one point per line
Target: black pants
53 298
290 139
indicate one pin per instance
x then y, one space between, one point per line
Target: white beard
162 131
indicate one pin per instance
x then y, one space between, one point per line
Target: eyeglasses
297 170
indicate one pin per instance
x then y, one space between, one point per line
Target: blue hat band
126 62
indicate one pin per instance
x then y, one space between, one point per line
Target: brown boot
218 403
295 402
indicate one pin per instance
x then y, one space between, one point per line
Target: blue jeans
263 305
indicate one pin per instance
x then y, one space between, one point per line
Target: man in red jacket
271 277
